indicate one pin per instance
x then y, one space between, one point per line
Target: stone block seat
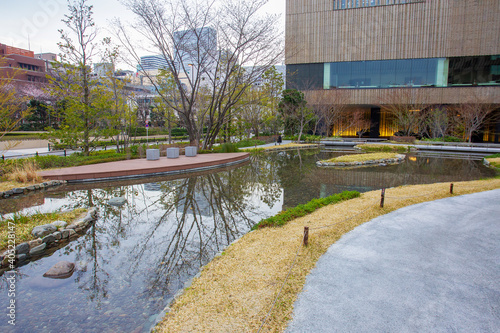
172 152
152 154
191 151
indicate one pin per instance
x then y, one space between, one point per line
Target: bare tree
470 117
361 122
330 107
405 106
438 121
225 46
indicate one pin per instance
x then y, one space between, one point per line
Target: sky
34 24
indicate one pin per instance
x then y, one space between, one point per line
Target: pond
136 257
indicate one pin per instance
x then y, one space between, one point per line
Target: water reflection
139 255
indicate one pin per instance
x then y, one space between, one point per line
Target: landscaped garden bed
356 160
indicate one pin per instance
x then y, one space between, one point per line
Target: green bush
444 139
301 210
226 148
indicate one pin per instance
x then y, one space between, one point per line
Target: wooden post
451 188
306 236
382 198
64 152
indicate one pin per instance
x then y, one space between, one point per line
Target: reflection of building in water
200 205
19 203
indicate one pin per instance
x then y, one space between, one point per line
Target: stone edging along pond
48 241
34 187
382 162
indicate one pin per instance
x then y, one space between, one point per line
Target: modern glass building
447 50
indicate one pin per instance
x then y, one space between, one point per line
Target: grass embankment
494 160
285 216
236 290
361 157
24 224
387 148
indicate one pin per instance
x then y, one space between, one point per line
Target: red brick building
21 64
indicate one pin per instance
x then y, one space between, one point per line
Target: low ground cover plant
301 210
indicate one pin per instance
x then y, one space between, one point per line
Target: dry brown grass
25 173
236 290
494 161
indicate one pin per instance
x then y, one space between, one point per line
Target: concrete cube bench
152 154
172 152
191 151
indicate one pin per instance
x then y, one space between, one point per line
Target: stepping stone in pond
61 270
117 201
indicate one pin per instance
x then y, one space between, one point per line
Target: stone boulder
61 270
41 231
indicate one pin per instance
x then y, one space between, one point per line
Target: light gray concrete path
431 267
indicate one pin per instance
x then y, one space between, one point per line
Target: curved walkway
144 168
431 267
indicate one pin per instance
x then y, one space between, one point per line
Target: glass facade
483 70
427 72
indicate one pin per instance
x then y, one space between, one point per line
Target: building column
375 122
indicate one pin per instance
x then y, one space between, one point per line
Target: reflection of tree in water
101 242
179 225
208 213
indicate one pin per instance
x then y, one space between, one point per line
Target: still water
136 257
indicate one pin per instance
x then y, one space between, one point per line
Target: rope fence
305 237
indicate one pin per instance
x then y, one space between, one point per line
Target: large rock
38 249
48 239
61 270
65 233
18 190
41 231
23 248
117 201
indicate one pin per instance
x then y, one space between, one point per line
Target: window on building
426 72
346 4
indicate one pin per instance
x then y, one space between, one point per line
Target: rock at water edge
41 231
